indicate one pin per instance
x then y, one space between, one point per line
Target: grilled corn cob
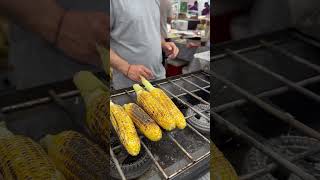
143 121
76 156
166 102
96 96
125 129
22 158
154 108
221 169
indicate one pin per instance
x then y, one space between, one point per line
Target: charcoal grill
183 154
249 76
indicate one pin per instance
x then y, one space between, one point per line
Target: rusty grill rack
173 84
256 99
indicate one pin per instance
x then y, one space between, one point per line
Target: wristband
128 70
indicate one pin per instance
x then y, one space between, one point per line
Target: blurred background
237 19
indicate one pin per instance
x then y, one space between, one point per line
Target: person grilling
136 43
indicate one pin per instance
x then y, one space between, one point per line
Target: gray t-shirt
36 62
165 12
135 36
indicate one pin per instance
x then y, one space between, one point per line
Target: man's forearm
118 63
40 16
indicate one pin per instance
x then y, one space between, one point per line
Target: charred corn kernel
96 96
76 156
221 169
166 102
22 158
125 129
143 121
154 108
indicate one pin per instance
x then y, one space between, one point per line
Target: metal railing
278 159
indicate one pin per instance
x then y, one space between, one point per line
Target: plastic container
204 59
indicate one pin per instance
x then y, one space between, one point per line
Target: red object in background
220 26
173 70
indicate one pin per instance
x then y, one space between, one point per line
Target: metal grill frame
261 42
160 84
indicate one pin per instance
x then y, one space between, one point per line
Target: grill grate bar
154 160
116 162
243 50
181 147
286 117
200 79
198 133
265 149
273 166
291 55
306 40
166 82
269 93
179 95
196 85
190 165
190 93
286 81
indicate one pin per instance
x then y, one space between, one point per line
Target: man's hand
80 32
170 49
135 71
132 71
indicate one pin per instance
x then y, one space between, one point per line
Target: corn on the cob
154 108
166 102
76 156
125 129
221 169
22 158
143 121
96 96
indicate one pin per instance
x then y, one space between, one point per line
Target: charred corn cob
143 121
22 158
166 102
154 108
76 156
96 97
221 169
125 129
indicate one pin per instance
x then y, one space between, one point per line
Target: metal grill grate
177 88
257 99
